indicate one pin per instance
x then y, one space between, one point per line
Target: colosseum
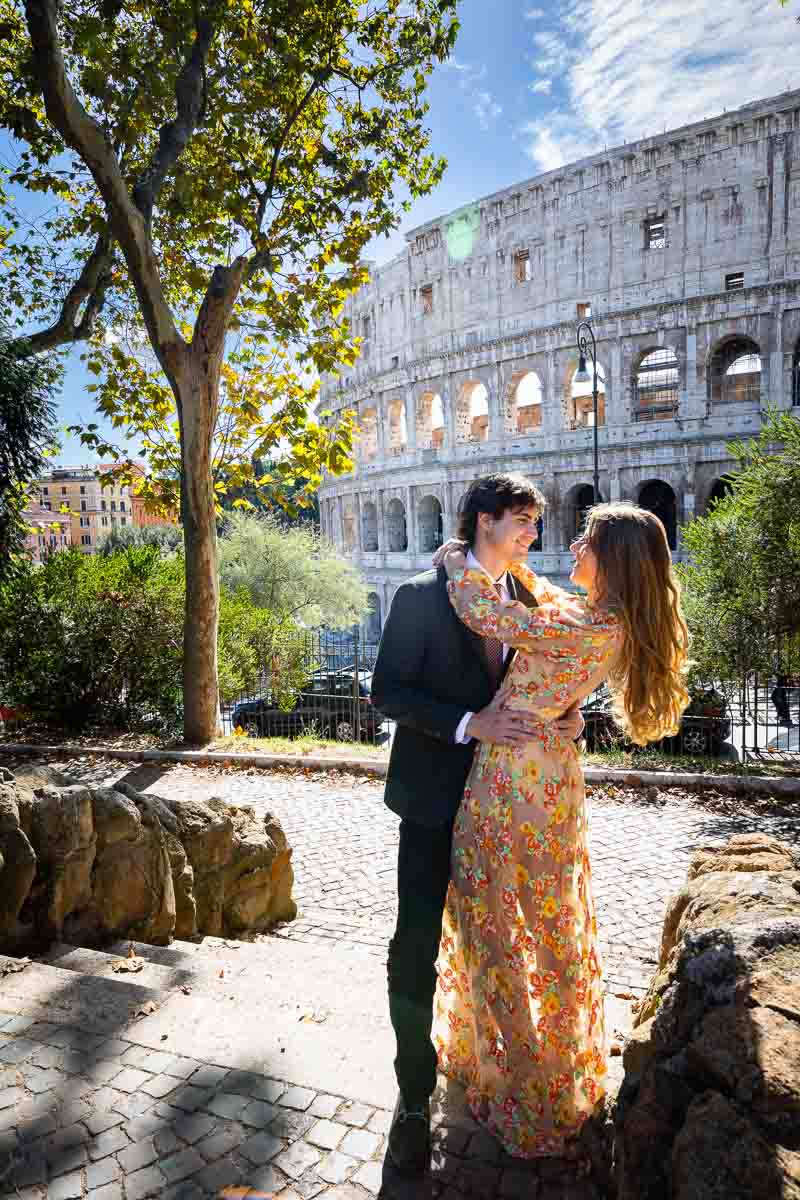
683 251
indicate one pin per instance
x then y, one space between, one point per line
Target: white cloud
631 69
471 81
542 87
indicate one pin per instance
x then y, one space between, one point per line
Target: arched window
655 387
658 498
431 529
396 526
719 490
372 621
472 412
524 403
579 501
580 406
430 421
369 526
398 433
735 375
348 526
368 427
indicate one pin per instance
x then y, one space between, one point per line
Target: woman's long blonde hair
636 580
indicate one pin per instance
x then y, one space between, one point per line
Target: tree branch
89 289
87 138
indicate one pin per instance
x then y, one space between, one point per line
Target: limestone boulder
710 1103
89 865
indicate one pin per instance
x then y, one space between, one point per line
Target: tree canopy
223 165
741 584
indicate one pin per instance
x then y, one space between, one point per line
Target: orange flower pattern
519 1005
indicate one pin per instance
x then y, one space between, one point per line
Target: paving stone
18 1024
309 1186
270 1090
181 1068
353 1113
98 1173
68 1187
38 1127
258 1113
190 1098
370 1176
138 1155
345 1191
108 1143
102 1071
109 1191
166 1142
360 1143
325 1106
335 1167
297 1097
65 1139
130 1080
208 1077
187 1189
16 1051
159 1086
134 1105
41 1080
261 1147
180 1165
11 1096
72 1111
327 1134
228 1104
99 1122
223 1173
30 1170
380 1121
147 1182
113 1048
291 1125
144 1126
191 1127
107 1098
297 1159
48 1056
242 1081
66 1160
226 1137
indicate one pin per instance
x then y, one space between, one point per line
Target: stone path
121 1113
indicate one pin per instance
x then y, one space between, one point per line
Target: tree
166 538
740 586
292 573
27 424
240 156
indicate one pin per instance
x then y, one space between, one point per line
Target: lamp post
582 376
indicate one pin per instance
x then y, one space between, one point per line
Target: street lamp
582 376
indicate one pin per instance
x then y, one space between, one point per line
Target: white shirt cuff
461 735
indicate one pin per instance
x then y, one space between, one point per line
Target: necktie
494 655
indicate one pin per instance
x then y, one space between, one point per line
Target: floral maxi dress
519 1005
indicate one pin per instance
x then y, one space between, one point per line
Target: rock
713 1061
95 864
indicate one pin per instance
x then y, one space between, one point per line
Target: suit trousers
423 873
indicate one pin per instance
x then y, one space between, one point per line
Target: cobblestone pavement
345 847
90 1115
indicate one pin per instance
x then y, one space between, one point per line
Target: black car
327 707
705 725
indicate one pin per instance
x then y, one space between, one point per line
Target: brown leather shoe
409 1146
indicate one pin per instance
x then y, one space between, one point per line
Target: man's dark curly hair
495 494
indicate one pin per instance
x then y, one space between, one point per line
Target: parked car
327 707
705 725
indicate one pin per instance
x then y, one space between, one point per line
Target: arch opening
580 402
659 499
430 421
472 412
718 491
735 376
655 388
372 619
431 525
368 429
369 526
398 431
524 403
396 532
579 501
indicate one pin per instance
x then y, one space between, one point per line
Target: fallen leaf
624 995
232 945
145 1010
221 974
187 991
318 1018
131 950
615 1050
128 964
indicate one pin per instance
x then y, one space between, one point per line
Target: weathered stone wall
90 864
651 236
710 1105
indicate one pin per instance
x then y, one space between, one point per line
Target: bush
98 641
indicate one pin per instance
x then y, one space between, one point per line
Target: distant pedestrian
780 698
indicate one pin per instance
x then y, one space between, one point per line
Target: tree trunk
195 388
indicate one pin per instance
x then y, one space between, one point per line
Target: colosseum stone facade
685 251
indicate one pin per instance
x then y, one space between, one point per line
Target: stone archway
430 524
398 431
368 432
523 408
655 385
369 526
396 532
578 398
577 503
719 489
658 498
372 620
472 412
430 421
735 372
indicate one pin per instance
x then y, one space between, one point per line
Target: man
437 680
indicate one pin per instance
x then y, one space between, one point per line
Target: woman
519 1008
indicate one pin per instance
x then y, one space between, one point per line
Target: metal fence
333 699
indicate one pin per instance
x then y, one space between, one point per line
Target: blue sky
532 86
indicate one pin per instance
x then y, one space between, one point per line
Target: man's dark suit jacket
430 670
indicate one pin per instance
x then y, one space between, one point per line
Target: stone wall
710 1105
87 864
